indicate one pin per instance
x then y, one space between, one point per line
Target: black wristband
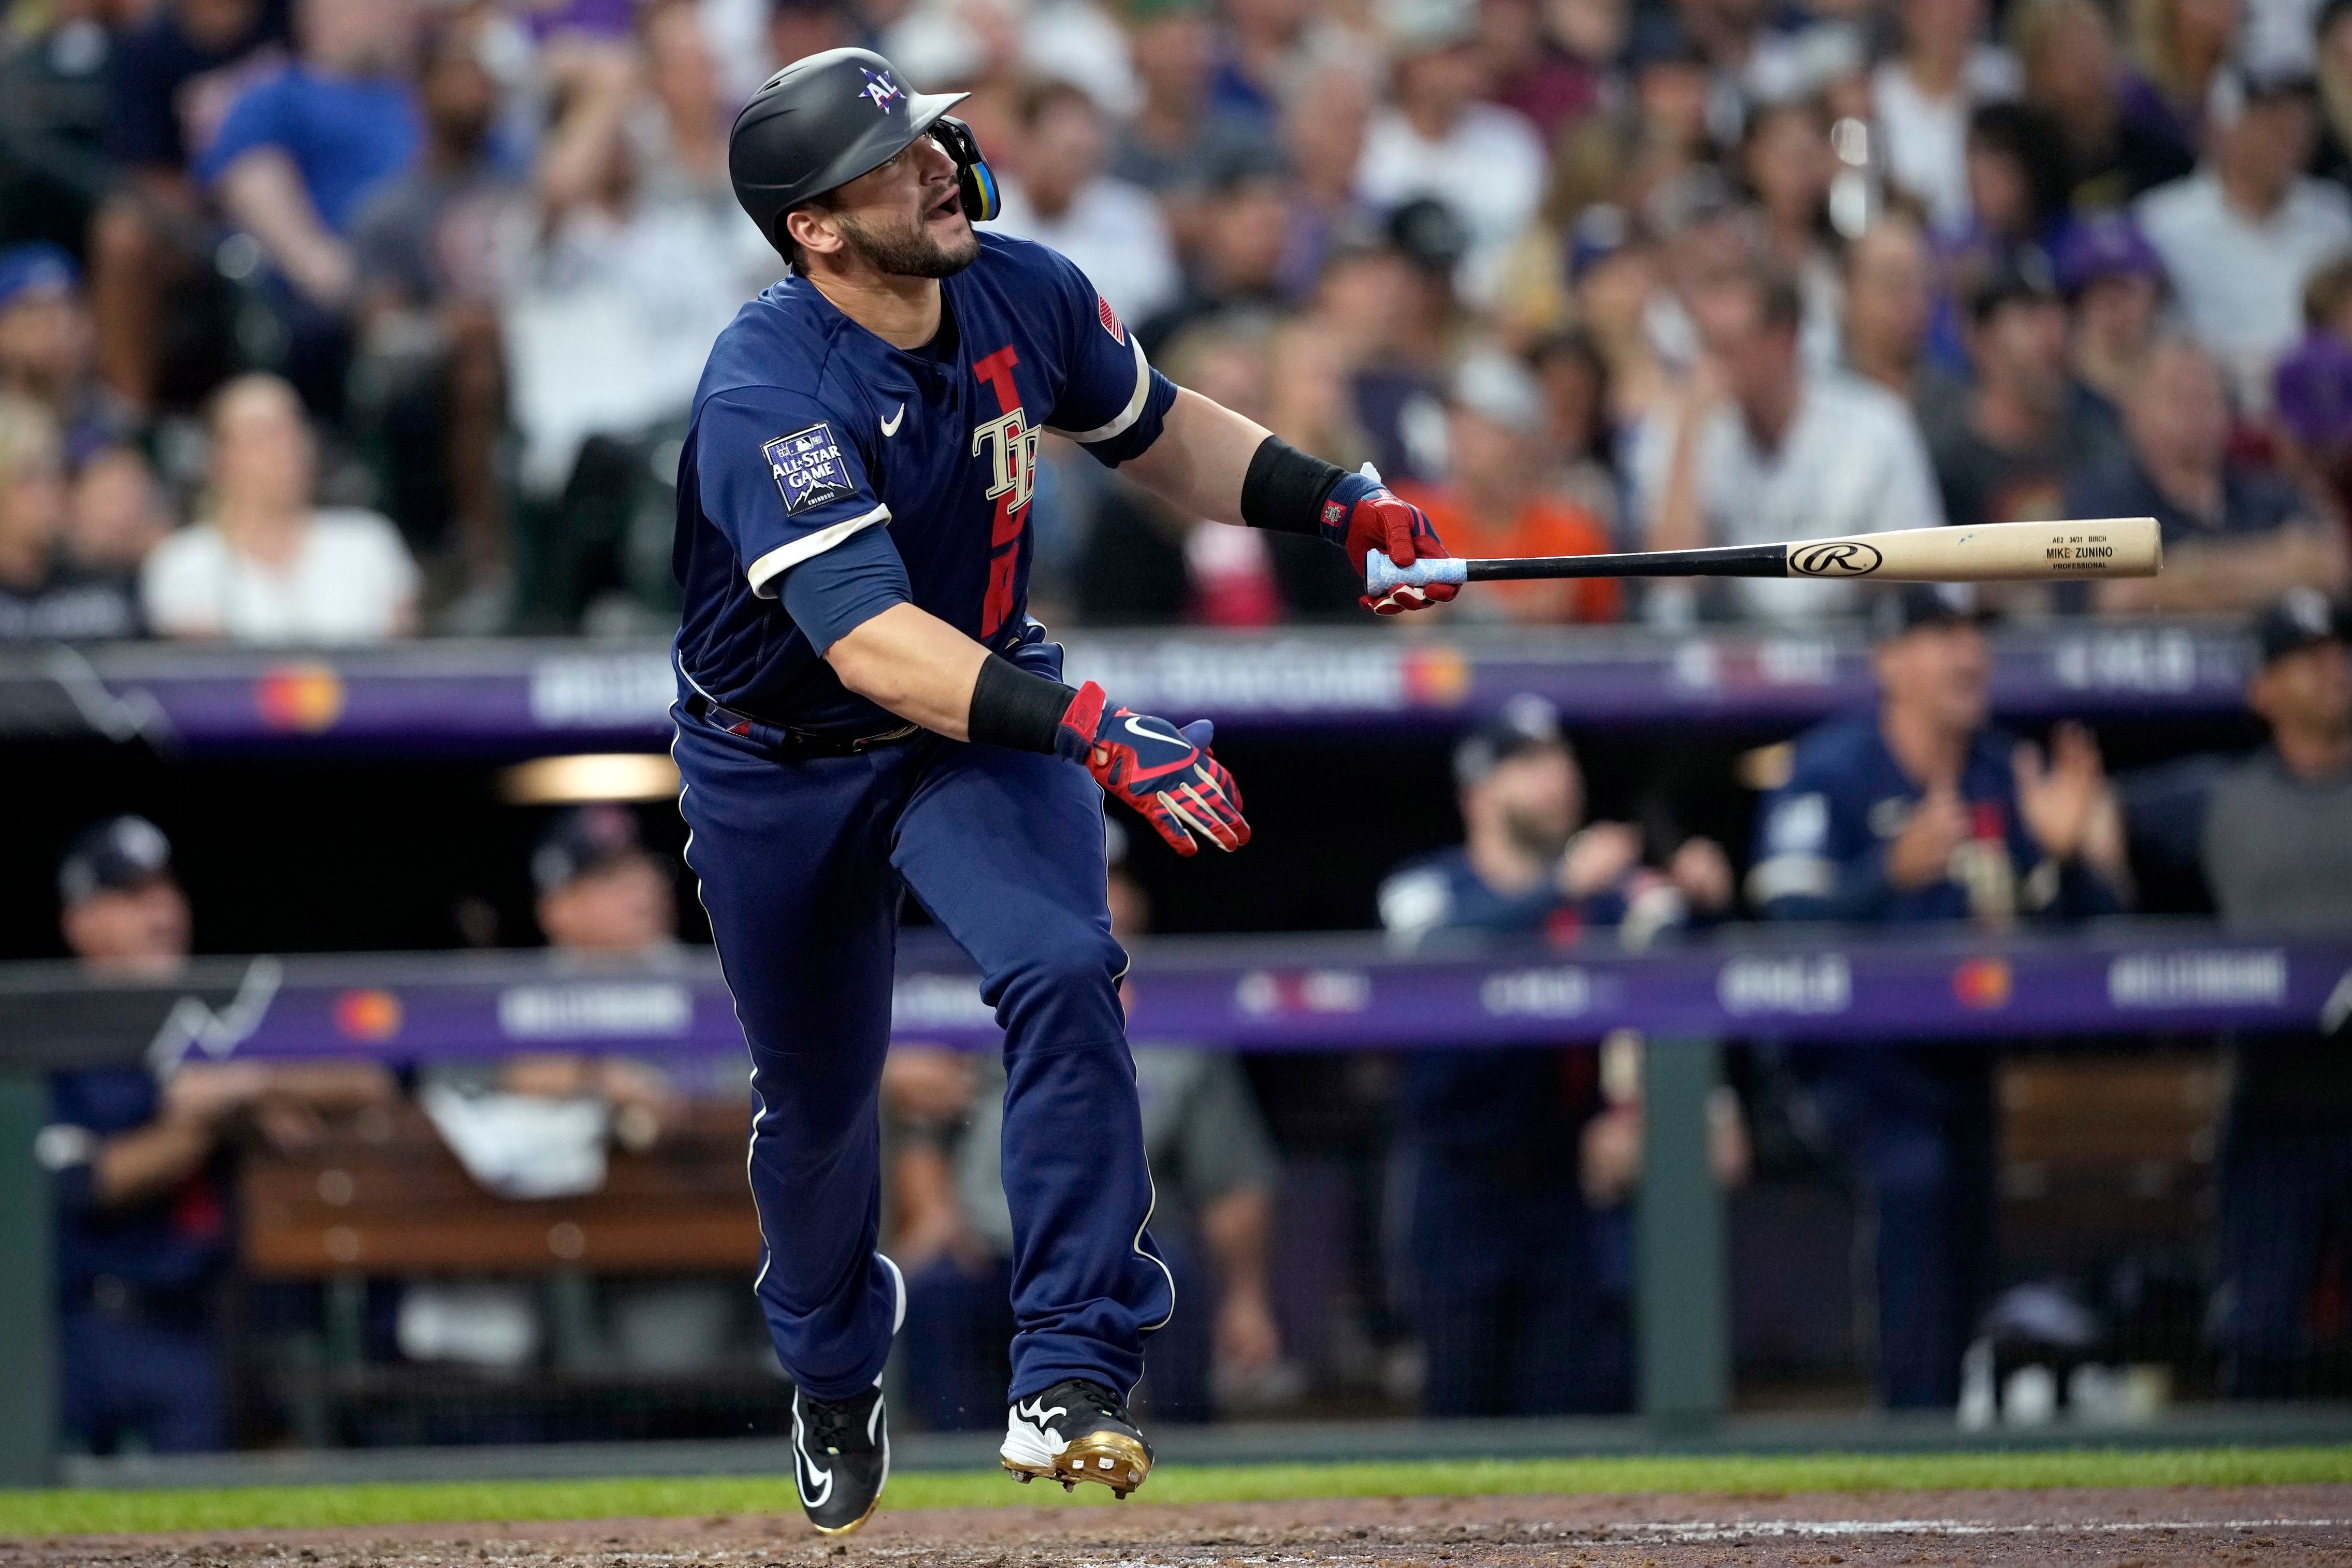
1012 707
1285 488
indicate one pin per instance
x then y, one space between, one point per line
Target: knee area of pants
1071 959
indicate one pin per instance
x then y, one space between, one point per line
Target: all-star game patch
808 468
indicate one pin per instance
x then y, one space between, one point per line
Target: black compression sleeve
1285 488
1013 708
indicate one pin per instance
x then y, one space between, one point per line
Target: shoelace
1096 1400
828 1427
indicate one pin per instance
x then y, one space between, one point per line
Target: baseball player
866 710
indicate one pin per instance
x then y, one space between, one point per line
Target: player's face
1941 672
906 219
1538 798
2308 691
138 926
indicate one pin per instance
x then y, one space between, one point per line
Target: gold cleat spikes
1109 1458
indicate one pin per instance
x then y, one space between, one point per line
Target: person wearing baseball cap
139 1164
1507 1251
2277 852
599 890
1926 813
2114 283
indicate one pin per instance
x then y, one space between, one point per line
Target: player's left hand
1362 514
1166 773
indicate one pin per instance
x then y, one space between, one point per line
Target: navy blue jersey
1821 838
1440 892
172 1242
808 428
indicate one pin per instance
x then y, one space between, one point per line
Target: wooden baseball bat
1998 552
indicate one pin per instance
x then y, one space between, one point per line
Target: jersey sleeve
783 477
1815 861
1112 400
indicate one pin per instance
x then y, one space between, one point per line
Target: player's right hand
1166 773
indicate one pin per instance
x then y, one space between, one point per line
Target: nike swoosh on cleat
891 426
1035 1411
822 1492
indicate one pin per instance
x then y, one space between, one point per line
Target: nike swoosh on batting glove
1361 515
1166 773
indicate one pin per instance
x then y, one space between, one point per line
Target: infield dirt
2140 1528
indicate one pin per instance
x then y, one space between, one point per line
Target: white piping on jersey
764 572
1127 415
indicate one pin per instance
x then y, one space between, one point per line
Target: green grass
131 1510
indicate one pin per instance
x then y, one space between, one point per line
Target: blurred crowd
336 321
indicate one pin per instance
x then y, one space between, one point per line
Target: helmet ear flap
975 182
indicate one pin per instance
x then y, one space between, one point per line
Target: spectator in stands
1923 97
139 1166
1889 297
1759 448
266 564
45 344
2240 236
1530 74
1173 144
2072 72
424 247
2179 49
2233 538
299 153
1244 243
1328 116
2114 283
1578 427
1925 813
1213 1170
1064 198
2004 455
1786 162
1519 1312
44 595
1439 140
2278 858
2332 71
2313 388
174 76
115 518
1497 497
53 73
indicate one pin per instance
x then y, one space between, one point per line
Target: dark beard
908 253
1535 836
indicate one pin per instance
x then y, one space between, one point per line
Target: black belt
783 739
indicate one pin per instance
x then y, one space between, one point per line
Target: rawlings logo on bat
1836 558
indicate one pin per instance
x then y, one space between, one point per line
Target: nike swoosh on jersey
891 426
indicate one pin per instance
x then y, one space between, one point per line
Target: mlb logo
808 468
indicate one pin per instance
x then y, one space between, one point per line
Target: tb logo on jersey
1011 446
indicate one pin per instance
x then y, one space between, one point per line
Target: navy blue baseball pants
803 865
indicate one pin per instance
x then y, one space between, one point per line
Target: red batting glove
1361 515
1166 773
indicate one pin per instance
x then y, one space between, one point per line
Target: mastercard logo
1436 677
1983 983
367 1015
307 697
